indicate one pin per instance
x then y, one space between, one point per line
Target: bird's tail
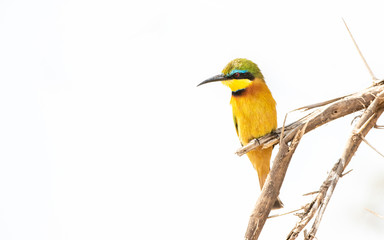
260 160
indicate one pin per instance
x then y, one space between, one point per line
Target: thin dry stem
361 54
282 129
316 105
283 214
346 173
365 140
374 213
310 193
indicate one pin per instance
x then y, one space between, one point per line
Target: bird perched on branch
254 110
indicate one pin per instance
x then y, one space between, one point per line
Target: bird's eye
237 75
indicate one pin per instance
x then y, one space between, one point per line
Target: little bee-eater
254 110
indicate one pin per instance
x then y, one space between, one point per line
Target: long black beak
216 78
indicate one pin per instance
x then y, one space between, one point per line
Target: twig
283 214
374 213
306 217
310 193
342 175
282 129
365 140
333 178
358 131
316 105
360 53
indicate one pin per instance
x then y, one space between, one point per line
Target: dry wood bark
370 99
324 114
272 186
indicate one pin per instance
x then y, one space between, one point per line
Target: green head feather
243 64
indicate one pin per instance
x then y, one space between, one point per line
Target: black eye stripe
245 75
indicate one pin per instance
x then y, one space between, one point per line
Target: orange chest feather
254 112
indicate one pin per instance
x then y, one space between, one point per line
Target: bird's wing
236 125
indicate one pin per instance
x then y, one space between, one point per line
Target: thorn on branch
361 54
310 193
283 214
358 131
282 129
316 105
342 175
355 119
374 213
365 140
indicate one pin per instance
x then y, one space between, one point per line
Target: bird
254 111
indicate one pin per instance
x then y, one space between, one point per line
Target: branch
319 204
339 107
325 112
272 185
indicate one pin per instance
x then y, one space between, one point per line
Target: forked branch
370 99
366 122
324 113
272 185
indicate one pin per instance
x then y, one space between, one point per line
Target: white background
104 135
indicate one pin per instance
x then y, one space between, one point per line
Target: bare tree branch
371 99
329 112
319 204
272 185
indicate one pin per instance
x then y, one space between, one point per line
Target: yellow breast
254 111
